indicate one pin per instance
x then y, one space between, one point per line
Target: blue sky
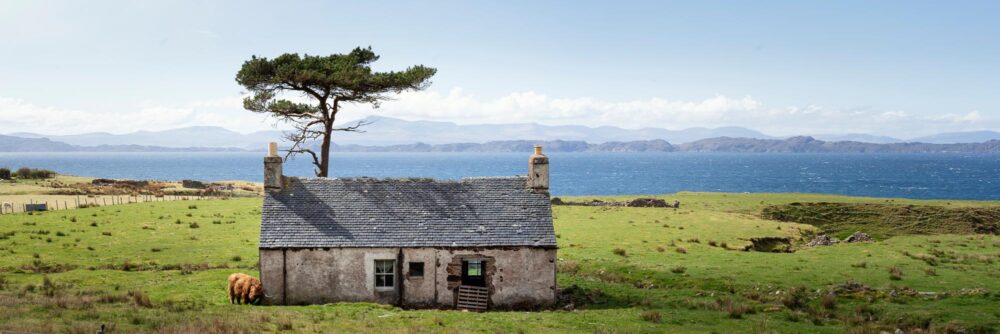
900 68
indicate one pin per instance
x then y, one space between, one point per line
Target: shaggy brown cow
244 289
235 291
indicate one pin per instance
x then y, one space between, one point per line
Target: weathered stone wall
516 277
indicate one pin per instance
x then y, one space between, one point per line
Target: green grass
883 220
648 287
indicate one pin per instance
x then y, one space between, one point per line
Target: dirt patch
770 245
886 220
574 297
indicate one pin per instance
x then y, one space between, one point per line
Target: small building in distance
476 243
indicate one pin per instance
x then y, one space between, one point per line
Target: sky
896 68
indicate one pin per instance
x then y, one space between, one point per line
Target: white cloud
458 106
971 117
22 116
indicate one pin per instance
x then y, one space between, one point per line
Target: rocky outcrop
822 240
859 237
647 203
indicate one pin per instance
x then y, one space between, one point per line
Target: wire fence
28 203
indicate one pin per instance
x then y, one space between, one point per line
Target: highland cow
244 289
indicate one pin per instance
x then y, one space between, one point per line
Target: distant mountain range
391 131
396 135
720 144
20 144
190 137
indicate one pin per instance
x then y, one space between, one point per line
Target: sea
917 176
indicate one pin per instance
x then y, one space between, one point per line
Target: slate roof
366 212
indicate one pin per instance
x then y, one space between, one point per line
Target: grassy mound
888 220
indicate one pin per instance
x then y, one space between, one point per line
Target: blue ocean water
922 176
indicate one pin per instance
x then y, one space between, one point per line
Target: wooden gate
474 298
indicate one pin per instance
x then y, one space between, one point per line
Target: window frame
478 268
385 271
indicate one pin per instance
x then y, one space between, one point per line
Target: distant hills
190 137
395 135
19 144
721 144
806 144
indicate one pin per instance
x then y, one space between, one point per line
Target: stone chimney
272 169
538 171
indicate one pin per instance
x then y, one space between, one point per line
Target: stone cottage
476 243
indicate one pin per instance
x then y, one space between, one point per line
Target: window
416 269
385 273
475 268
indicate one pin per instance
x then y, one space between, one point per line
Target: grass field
161 267
58 193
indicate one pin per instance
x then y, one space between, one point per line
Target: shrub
23 173
620 252
106 233
678 269
796 298
194 225
26 173
284 324
829 301
42 174
5 174
140 299
192 207
734 309
237 258
569 267
154 250
713 243
895 273
660 249
681 250
652 316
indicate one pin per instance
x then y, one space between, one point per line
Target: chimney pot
272 149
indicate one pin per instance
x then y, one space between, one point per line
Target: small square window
475 268
385 273
416 269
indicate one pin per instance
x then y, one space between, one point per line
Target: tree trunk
324 160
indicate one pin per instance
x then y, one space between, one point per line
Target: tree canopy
327 82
